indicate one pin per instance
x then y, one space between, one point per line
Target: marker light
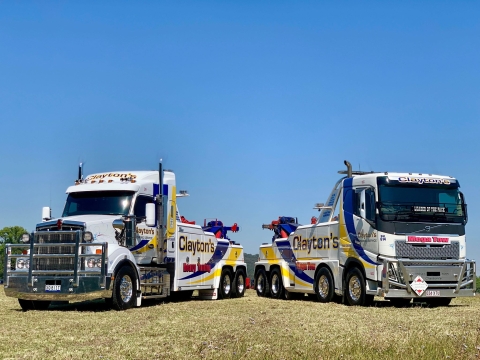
87 236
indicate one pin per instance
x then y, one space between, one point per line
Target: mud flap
210 294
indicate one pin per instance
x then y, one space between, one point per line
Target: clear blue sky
253 104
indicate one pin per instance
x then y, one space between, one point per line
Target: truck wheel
355 292
225 290
261 283
324 285
239 283
124 289
277 289
33 304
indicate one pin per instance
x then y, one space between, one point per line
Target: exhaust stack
349 168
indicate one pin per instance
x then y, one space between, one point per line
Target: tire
225 289
124 289
355 292
276 285
324 287
400 302
33 304
239 284
262 285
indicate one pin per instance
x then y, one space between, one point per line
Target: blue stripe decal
140 245
220 251
285 249
348 216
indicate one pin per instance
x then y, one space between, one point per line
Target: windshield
423 203
98 203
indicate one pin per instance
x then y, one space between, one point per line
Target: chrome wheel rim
323 286
275 283
226 285
260 284
126 288
240 284
354 288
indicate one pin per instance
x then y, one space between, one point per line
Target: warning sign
419 285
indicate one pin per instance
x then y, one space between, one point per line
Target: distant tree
8 235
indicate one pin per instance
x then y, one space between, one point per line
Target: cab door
145 245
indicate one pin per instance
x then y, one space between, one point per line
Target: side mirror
150 214
118 224
46 213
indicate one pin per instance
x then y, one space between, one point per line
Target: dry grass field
246 328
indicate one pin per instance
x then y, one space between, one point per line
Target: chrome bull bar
452 278
48 255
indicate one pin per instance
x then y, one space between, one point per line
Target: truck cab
121 237
396 235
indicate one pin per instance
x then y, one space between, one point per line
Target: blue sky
254 105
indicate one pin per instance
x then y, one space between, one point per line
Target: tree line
9 235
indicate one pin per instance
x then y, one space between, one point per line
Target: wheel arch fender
351 263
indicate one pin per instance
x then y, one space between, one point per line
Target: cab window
139 208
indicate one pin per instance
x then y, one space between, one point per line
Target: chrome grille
410 251
55 237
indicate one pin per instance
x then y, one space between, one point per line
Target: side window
370 204
364 203
139 208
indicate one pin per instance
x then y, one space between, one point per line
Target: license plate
432 293
52 288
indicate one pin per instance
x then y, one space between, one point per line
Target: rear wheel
261 283
225 290
124 289
33 304
277 289
239 283
324 289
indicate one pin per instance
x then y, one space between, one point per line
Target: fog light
91 262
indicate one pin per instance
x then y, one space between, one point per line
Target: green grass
246 328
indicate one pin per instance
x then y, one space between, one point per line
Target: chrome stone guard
81 284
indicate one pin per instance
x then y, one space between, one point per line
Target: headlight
91 262
87 236
20 264
98 263
27 264
25 238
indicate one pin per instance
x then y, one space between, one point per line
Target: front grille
55 237
410 251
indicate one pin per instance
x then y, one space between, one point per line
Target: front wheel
33 304
124 290
261 283
277 289
355 291
225 290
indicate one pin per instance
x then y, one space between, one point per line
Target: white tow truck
122 238
396 235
